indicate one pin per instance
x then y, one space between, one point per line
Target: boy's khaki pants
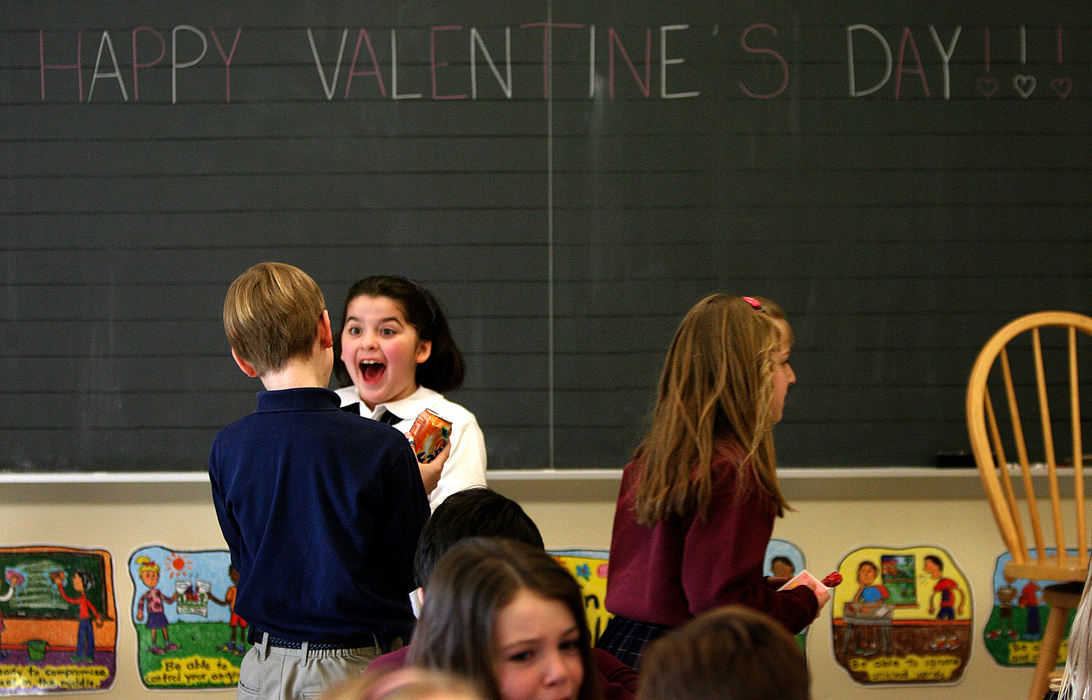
270 672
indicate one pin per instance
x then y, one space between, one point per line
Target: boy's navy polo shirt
321 510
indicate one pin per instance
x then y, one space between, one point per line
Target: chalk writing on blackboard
454 62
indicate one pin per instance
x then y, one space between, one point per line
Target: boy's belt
255 635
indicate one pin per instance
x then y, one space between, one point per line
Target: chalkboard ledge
798 484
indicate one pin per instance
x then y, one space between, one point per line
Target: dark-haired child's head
394 338
733 653
473 512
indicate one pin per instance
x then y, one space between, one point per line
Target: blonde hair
715 395
146 564
406 683
1077 678
271 314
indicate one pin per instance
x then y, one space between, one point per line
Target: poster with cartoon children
784 560
1014 631
902 616
58 620
188 635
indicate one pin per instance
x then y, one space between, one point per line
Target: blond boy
320 509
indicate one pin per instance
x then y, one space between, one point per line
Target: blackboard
567 177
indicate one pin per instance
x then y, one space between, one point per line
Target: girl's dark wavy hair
444 370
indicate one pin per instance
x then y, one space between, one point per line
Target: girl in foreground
511 619
398 352
698 500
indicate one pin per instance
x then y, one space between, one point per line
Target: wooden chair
1016 363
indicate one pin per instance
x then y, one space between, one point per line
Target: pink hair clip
753 302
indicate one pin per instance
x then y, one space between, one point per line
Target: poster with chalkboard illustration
1014 631
188 635
902 616
58 620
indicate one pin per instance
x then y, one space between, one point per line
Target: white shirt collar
409 407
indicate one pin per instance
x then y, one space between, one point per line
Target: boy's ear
248 369
325 333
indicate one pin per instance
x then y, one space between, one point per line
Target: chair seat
1063 568
1064 595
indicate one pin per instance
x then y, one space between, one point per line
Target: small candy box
429 434
805 578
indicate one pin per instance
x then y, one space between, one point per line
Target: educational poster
1014 632
784 559
187 633
58 620
589 566
902 616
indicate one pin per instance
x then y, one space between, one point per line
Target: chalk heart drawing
987 85
1024 85
1062 86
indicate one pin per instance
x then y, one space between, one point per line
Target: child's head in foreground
408 683
272 313
510 617
473 512
731 653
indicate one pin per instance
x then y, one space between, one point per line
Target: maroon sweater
682 567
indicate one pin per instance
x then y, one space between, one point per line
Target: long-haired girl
698 500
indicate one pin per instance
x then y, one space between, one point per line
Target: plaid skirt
626 639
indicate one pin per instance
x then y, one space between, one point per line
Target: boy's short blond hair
271 314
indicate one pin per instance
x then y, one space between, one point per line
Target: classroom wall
837 510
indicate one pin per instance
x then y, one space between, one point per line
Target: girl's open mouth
372 371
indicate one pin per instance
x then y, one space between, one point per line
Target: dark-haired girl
398 352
